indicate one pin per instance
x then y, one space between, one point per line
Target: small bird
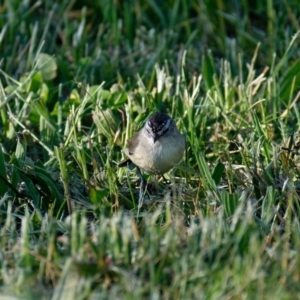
156 148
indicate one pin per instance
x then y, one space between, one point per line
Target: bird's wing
133 143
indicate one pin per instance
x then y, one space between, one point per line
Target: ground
78 78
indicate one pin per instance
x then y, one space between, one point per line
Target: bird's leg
142 187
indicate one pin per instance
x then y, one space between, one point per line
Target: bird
156 148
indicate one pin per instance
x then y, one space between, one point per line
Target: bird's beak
156 137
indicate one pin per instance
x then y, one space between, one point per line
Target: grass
78 79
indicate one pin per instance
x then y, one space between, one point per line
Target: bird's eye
165 130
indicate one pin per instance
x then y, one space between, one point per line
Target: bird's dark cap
157 122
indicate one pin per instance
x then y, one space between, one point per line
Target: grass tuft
77 79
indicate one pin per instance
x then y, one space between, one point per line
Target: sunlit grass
77 81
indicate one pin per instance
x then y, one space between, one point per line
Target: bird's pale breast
161 156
